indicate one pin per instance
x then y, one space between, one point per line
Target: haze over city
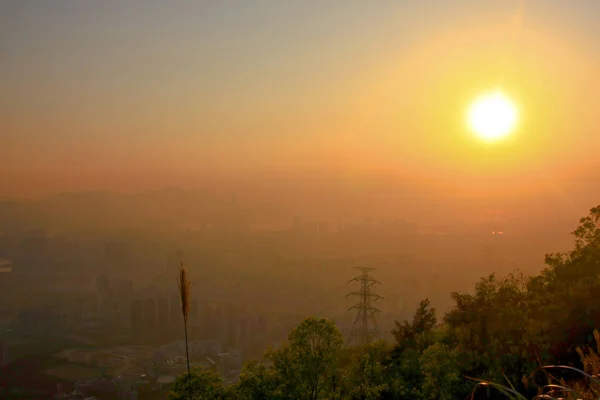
271 146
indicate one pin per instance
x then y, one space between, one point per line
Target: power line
364 328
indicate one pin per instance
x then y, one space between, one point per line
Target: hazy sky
127 94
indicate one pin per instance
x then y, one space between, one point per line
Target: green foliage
442 375
305 367
256 382
206 385
366 375
405 375
417 334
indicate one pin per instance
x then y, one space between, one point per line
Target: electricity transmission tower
364 328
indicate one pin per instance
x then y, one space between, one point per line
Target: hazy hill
167 209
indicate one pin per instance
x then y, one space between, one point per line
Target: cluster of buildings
170 359
232 326
150 315
125 371
220 334
121 370
382 225
70 304
115 388
124 389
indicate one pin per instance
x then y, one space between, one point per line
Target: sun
492 116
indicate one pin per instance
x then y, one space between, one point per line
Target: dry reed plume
184 292
185 286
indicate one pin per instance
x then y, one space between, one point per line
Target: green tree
404 375
205 384
443 378
569 287
257 381
367 373
306 365
491 328
403 368
418 334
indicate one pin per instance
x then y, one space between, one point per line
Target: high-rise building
4 360
149 313
219 324
194 315
203 324
136 314
262 325
175 315
102 284
163 313
121 287
206 321
233 315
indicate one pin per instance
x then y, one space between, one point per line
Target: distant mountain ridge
274 203
165 209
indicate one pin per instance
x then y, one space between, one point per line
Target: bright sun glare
492 116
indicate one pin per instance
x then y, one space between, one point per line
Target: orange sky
133 100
